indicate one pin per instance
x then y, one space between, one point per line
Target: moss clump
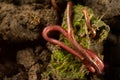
63 65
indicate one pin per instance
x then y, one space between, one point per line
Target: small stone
26 57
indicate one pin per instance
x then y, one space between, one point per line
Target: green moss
63 65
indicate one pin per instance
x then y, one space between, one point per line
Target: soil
22 51
23 54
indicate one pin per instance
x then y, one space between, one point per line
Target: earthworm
88 24
77 46
89 58
55 5
57 42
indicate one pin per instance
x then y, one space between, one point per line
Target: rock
26 57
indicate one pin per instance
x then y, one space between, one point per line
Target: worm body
89 58
88 24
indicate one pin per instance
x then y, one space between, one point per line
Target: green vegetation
63 65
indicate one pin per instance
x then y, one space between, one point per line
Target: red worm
89 58
83 51
88 24
55 5
57 42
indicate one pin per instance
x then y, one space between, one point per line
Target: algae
63 65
